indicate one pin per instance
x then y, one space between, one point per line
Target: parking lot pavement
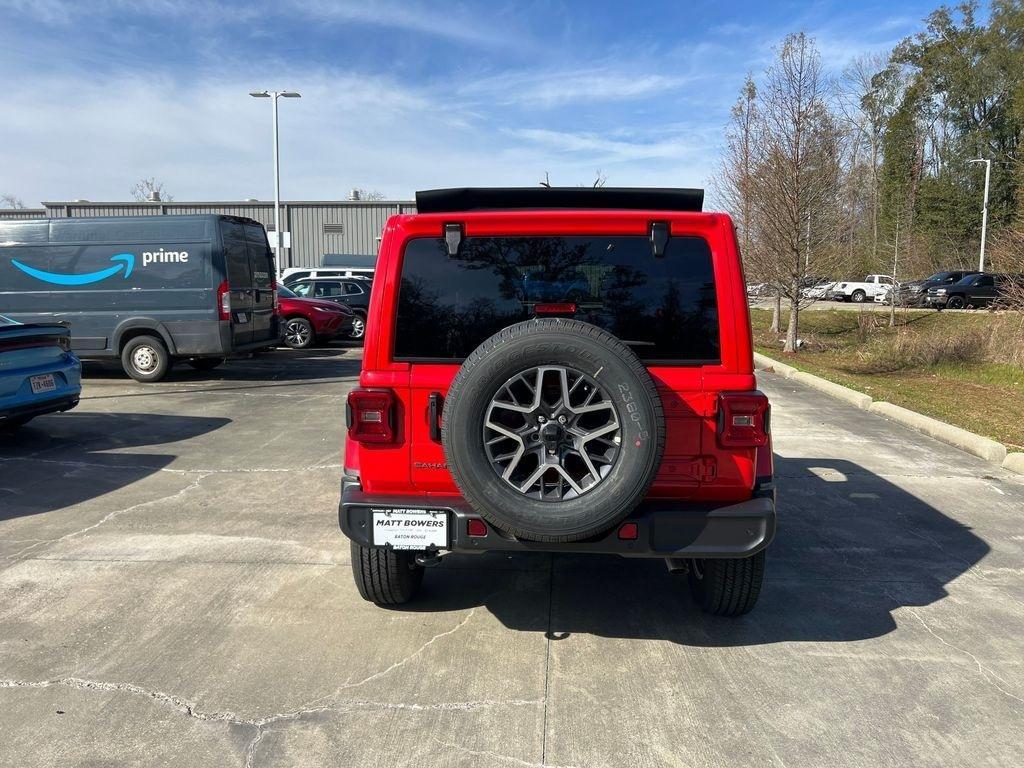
174 591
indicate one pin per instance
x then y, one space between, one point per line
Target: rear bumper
52 405
675 529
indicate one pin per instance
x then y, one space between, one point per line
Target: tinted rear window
665 308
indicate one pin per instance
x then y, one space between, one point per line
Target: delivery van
148 290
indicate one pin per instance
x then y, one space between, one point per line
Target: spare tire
553 430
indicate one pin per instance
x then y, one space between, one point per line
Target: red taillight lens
476 527
224 301
743 420
555 308
371 415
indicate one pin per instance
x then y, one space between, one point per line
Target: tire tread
731 586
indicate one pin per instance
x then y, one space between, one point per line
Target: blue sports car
38 372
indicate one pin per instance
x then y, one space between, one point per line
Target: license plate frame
413 528
42 383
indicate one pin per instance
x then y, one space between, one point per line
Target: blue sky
397 96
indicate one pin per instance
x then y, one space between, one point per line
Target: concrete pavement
174 591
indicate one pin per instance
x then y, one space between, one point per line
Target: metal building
317 227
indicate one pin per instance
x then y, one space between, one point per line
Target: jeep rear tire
727 586
553 430
385 576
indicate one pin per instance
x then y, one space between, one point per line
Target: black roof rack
461 199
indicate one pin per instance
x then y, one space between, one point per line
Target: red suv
622 417
305 322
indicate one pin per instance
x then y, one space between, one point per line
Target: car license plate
410 528
242 317
43 383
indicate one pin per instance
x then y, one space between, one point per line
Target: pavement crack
403 661
171 470
184 706
494 755
986 673
110 516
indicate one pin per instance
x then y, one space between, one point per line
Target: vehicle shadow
58 461
851 548
279 365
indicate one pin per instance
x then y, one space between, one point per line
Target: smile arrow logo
127 263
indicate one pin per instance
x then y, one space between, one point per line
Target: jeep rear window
664 308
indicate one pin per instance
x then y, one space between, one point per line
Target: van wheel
145 359
205 363
385 576
299 333
727 586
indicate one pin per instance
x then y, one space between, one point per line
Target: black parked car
976 290
352 292
915 292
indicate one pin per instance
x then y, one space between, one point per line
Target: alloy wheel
552 433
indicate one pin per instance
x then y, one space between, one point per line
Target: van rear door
261 266
240 282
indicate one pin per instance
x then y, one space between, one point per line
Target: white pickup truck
862 291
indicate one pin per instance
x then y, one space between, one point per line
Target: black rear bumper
674 529
55 405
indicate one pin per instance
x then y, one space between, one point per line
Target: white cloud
83 137
553 88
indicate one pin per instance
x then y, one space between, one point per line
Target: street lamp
275 95
984 211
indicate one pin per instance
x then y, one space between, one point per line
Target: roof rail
461 199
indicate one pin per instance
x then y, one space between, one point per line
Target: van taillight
370 415
743 420
224 301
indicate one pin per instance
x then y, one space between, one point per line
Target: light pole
274 96
984 211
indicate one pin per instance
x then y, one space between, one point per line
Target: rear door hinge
453 238
708 469
659 238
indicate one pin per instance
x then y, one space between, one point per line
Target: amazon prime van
149 290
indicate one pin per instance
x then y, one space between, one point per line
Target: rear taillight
555 308
370 415
273 290
64 342
743 420
224 301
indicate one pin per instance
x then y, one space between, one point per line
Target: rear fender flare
127 327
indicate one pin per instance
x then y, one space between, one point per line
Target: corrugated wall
361 222
8 214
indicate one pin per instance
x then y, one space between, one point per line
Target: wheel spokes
551 433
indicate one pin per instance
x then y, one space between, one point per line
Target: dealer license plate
42 383
410 528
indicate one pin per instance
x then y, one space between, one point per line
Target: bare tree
11 201
795 183
150 190
599 180
735 182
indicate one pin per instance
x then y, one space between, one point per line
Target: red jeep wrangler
559 370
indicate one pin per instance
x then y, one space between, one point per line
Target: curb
987 449
774 366
838 391
977 445
1014 462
